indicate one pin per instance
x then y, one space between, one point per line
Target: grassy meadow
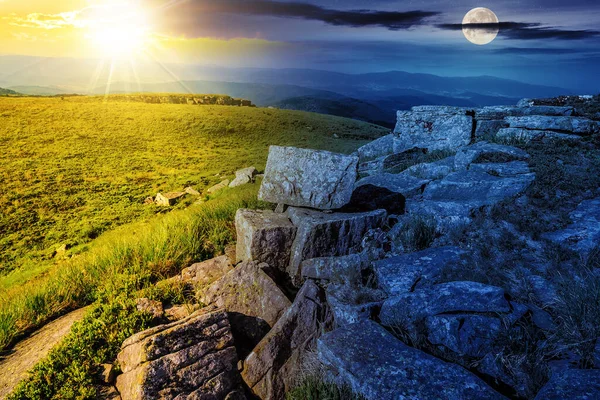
76 171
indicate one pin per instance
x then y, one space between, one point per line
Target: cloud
392 20
527 31
44 21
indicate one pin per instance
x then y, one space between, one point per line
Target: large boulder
252 299
308 178
572 384
206 272
344 269
433 128
406 309
381 147
405 273
169 199
274 365
484 152
577 125
264 236
328 235
583 234
378 366
192 358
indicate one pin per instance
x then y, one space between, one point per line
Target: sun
119 30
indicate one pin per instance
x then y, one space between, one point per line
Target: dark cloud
392 20
527 31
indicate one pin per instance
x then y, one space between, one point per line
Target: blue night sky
550 42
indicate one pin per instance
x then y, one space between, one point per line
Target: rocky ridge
369 274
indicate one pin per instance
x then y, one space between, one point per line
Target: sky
548 42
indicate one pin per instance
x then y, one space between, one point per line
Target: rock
264 236
381 147
191 191
336 269
353 303
149 200
510 169
526 135
218 187
169 199
252 299
152 307
406 185
433 128
577 125
484 152
243 177
572 384
108 373
405 309
181 311
432 171
488 129
396 162
378 366
308 178
206 272
405 273
191 358
500 112
328 235
464 334
276 362
583 234
371 197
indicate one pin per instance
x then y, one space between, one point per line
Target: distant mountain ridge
5 92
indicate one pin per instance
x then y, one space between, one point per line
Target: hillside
7 92
77 167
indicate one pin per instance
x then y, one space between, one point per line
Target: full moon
476 35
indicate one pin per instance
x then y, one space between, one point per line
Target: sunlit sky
541 40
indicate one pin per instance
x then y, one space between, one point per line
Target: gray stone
510 169
150 307
500 112
328 235
578 125
406 185
572 384
432 171
264 236
405 309
243 177
433 128
526 135
488 129
378 366
583 234
484 152
404 273
464 334
308 178
218 187
381 147
206 272
392 163
353 303
191 191
252 299
191 358
344 269
169 199
274 365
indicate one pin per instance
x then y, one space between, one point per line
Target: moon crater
481 35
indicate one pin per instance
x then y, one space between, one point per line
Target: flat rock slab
328 235
577 125
243 177
169 199
433 128
583 235
344 269
500 112
275 363
432 171
264 236
206 272
308 178
377 365
510 169
192 358
218 187
403 274
28 352
406 185
381 147
572 384
484 152
527 135
353 303
254 302
405 309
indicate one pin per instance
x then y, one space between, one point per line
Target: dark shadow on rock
247 332
371 198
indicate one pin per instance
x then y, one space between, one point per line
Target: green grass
72 169
313 388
